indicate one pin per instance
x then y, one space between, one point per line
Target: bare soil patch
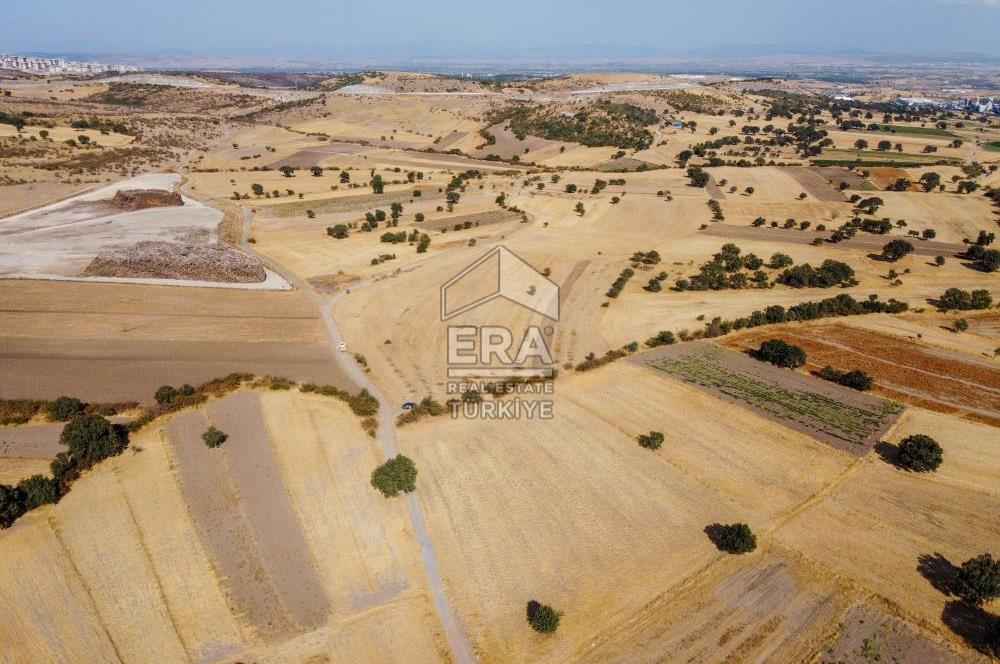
174 260
358 203
884 176
841 417
224 529
264 501
36 441
903 370
870 243
868 635
815 185
476 219
836 175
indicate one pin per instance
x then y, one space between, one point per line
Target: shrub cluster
619 284
830 273
725 271
955 298
89 438
855 379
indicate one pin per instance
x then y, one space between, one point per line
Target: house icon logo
500 274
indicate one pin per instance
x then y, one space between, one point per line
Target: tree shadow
888 453
532 609
714 532
977 627
939 572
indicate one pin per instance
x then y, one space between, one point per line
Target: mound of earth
173 260
140 199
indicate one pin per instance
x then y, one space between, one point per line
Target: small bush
165 394
652 440
213 437
543 618
395 476
64 408
782 354
920 453
18 411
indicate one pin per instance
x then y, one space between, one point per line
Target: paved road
458 642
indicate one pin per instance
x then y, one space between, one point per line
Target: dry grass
119 569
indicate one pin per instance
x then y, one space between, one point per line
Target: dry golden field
270 545
275 547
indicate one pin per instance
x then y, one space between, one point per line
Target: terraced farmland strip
849 421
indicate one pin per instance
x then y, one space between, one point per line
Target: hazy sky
435 28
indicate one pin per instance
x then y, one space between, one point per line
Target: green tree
287 171
213 437
978 579
91 438
930 180
38 490
920 453
698 177
542 617
395 476
736 538
11 505
780 353
377 185
258 189
896 249
317 171
345 177
338 232
652 440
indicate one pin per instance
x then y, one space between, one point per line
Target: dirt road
458 642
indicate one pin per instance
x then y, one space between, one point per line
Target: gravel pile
171 260
140 199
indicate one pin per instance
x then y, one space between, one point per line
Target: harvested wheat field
651 510
271 555
119 342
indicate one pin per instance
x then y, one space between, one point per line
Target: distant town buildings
59 66
983 105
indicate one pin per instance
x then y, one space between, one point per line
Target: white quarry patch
59 241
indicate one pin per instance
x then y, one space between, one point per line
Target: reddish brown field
903 370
